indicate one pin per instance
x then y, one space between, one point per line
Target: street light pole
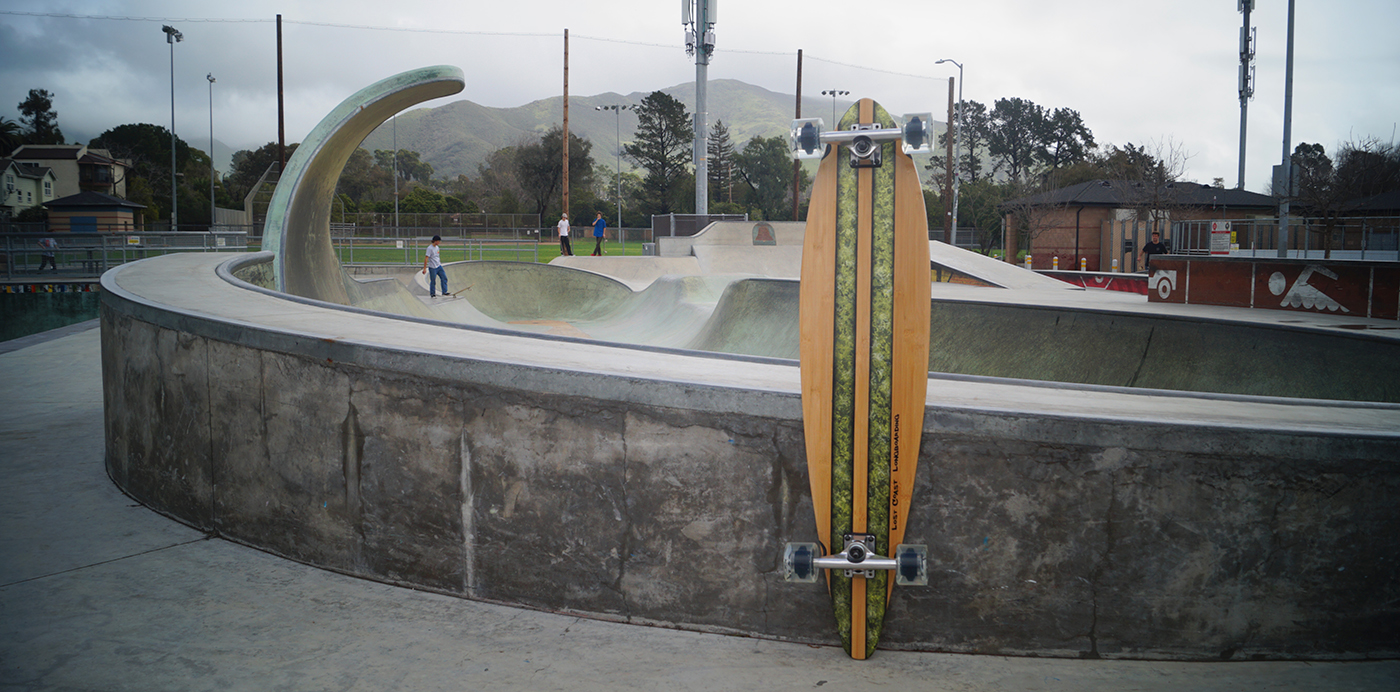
172 37
210 77
617 110
833 93
957 147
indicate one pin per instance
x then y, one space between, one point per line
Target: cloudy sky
1147 73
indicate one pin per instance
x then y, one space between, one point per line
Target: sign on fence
1220 237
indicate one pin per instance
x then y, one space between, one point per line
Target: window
48 188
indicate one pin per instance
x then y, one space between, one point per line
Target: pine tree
39 118
662 147
721 169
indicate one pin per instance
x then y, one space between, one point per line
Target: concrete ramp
778 262
757 317
636 272
991 270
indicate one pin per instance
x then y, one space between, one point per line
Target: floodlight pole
617 109
172 37
210 77
833 93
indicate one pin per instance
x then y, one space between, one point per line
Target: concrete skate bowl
507 458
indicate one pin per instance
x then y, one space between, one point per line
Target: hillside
458 136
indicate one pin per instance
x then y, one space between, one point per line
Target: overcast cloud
1137 72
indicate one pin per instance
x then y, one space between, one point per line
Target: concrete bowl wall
658 488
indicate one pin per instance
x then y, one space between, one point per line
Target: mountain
458 136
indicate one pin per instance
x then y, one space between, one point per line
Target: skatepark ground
100 593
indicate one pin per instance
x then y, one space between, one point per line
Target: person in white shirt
432 262
565 249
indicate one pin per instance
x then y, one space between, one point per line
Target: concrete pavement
100 593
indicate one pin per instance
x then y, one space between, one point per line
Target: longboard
864 340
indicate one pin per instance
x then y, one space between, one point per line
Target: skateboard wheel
804 139
799 562
917 133
912 565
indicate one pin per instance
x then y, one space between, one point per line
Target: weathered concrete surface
656 487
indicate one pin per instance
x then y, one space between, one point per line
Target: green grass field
368 252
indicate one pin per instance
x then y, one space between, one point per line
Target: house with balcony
76 168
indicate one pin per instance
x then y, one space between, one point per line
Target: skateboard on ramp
864 340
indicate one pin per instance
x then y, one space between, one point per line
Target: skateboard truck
807 135
857 559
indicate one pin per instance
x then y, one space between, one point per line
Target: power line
459 32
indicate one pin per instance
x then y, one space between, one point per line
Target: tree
11 136
662 147
146 148
1325 189
1016 137
409 165
498 188
978 208
1066 140
720 152
39 118
539 169
976 134
362 181
765 165
248 167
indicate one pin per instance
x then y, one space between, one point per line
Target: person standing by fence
432 266
599 225
47 248
565 250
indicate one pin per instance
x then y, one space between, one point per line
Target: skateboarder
1156 247
598 226
432 262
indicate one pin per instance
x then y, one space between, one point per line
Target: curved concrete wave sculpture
298 218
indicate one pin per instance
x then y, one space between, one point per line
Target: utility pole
797 116
566 122
1248 41
281 110
699 16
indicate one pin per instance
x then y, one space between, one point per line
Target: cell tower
698 18
1249 38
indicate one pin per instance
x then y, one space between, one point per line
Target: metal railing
91 254
1374 238
356 250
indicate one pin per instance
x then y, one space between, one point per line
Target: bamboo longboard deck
864 305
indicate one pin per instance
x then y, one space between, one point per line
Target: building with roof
93 212
1106 220
23 186
76 168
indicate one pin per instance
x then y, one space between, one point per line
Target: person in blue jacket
598 226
